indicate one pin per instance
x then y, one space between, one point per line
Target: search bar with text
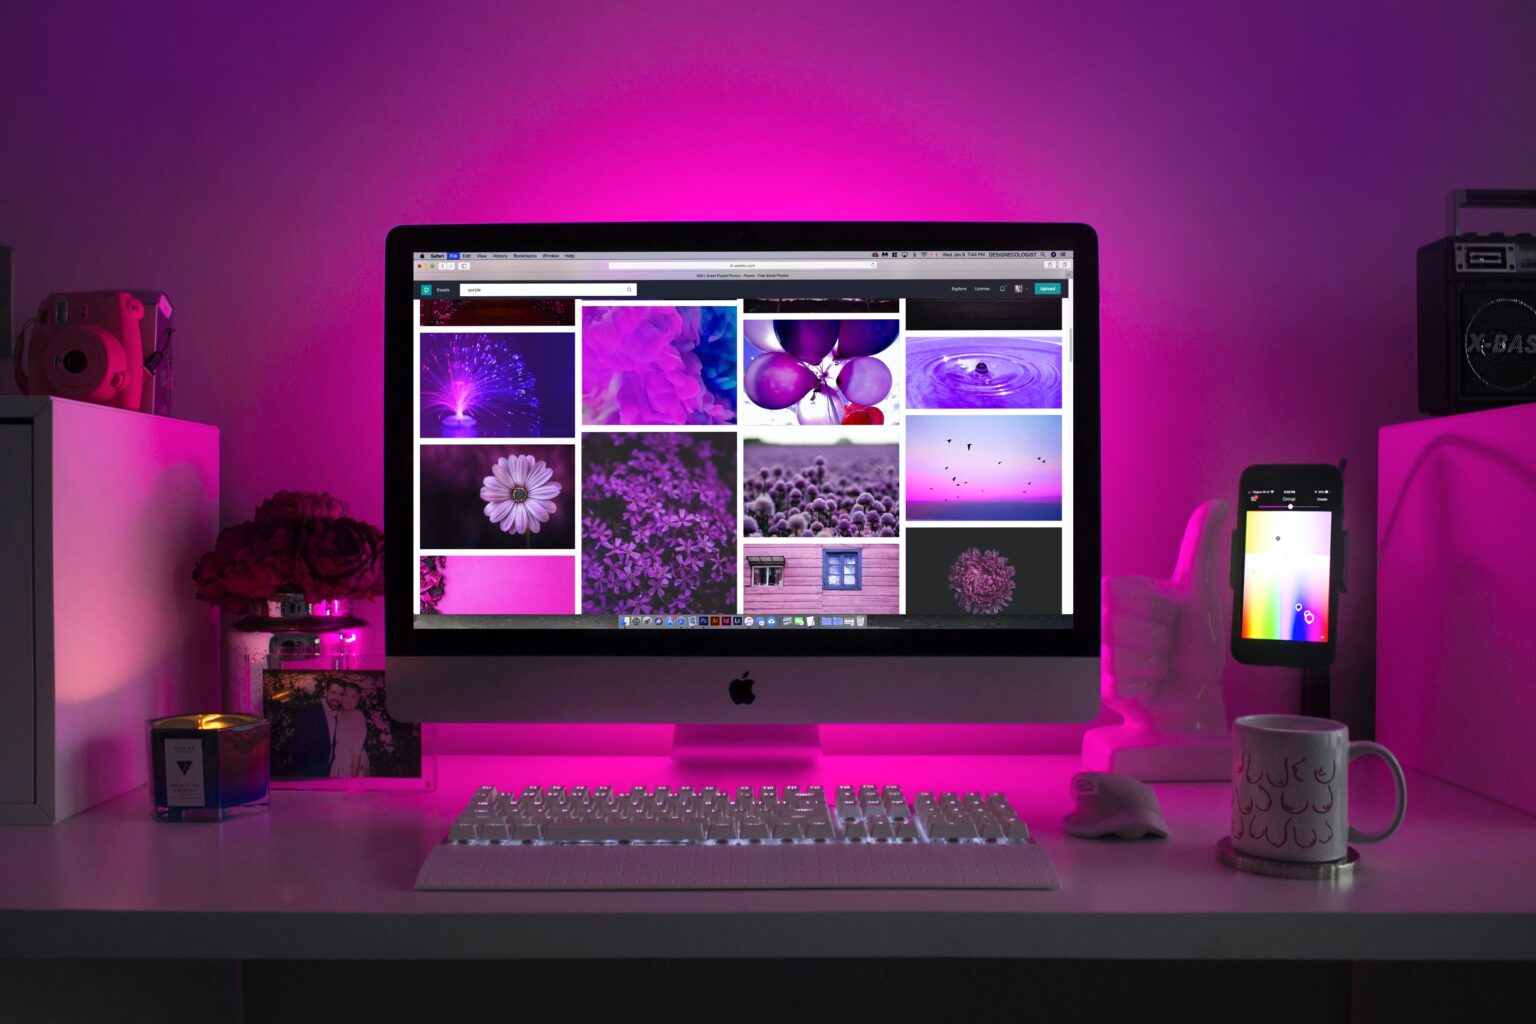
546 289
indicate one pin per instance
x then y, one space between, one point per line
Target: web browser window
775 440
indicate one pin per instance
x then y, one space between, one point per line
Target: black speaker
1477 312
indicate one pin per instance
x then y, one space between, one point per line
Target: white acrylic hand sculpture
1164 646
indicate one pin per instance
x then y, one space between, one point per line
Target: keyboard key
754 828
788 830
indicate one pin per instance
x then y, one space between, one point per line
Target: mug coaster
1326 870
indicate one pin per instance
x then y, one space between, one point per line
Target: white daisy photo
519 494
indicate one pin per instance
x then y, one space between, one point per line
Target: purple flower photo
657 522
984 572
982 581
497 497
658 365
846 489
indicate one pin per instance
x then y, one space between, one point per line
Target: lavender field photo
842 489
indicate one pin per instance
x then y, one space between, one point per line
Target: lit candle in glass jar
209 767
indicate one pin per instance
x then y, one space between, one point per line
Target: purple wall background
1259 183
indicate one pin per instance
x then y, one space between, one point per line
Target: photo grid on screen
805 458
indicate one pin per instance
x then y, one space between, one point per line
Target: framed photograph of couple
331 729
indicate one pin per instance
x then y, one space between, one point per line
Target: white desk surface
329 874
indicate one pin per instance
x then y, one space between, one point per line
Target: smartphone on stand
1288 565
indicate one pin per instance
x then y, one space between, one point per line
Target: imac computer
742 473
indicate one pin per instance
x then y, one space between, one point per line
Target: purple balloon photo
807 340
865 337
865 380
760 334
775 380
815 371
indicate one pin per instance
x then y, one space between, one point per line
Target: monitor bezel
403 639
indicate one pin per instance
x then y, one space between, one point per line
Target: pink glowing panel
1454 642
508 585
949 742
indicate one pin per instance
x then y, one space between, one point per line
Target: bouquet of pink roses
299 542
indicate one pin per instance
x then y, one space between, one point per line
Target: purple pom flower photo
821 372
658 523
984 572
846 489
658 365
982 581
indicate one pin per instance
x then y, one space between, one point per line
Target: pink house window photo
858 578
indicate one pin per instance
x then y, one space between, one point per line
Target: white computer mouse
1114 805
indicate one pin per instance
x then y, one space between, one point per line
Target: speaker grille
1498 343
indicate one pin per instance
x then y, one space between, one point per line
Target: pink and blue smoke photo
984 468
658 365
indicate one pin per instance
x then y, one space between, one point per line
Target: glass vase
285 629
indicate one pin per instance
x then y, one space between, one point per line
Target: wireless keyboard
869 837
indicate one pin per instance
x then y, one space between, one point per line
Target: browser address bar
741 264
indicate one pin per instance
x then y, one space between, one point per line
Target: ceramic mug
1290 788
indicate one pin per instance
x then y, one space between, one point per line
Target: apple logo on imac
741 689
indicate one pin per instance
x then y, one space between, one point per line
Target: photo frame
331 729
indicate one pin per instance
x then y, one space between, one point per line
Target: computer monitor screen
837 442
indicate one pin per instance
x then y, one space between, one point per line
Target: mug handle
1363 748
